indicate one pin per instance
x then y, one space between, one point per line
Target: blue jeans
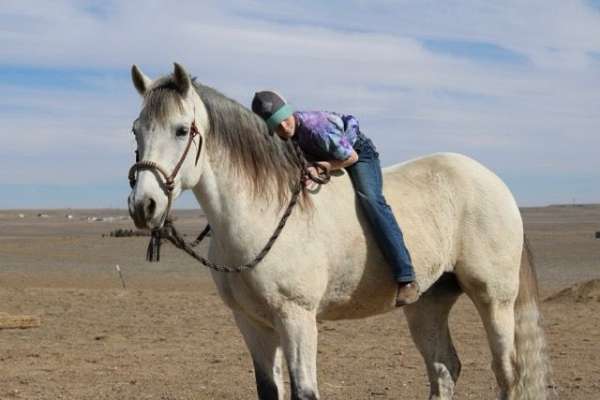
368 184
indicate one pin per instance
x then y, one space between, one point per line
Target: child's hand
307 182
325 165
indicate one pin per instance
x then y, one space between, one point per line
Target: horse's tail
531 364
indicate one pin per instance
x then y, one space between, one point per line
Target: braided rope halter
167 230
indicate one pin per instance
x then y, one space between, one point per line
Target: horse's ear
182 79
140 81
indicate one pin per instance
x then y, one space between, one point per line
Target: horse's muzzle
142 211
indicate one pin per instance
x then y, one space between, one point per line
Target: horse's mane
236 136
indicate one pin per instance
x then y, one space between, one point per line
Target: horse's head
169 134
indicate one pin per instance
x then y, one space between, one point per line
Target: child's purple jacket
326 135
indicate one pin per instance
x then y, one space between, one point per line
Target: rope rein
166 229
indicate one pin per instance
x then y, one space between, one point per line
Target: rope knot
170 184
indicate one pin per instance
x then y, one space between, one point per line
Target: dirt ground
168 336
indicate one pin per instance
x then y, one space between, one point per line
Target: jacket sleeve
338 143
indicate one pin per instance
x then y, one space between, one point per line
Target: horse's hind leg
264 346
494 297
499 322
428 323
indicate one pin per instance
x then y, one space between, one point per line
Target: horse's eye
181 132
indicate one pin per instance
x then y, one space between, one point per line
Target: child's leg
368 184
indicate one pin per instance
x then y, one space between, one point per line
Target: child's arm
333 165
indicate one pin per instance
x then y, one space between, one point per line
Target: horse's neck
236 218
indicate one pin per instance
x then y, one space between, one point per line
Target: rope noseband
169 178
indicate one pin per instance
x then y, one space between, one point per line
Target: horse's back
450 190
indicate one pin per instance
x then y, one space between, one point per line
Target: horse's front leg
265 349
298 332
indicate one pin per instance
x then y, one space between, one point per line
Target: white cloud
365 58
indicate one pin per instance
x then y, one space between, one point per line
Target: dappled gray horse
461 224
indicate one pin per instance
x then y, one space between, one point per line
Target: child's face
286 128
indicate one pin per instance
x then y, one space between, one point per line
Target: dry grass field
168 336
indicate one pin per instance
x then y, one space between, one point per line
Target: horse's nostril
150 207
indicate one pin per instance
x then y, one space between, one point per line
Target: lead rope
167 230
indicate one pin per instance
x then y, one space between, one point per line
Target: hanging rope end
153 251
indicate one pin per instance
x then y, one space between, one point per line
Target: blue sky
512 84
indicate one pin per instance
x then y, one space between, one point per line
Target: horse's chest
240 296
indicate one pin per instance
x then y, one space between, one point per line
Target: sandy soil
168 336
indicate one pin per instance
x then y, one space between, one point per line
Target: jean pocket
365 147
359 145
372 149
367 153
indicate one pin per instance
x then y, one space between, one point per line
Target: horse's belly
358 292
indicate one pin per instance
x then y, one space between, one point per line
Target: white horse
461 225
